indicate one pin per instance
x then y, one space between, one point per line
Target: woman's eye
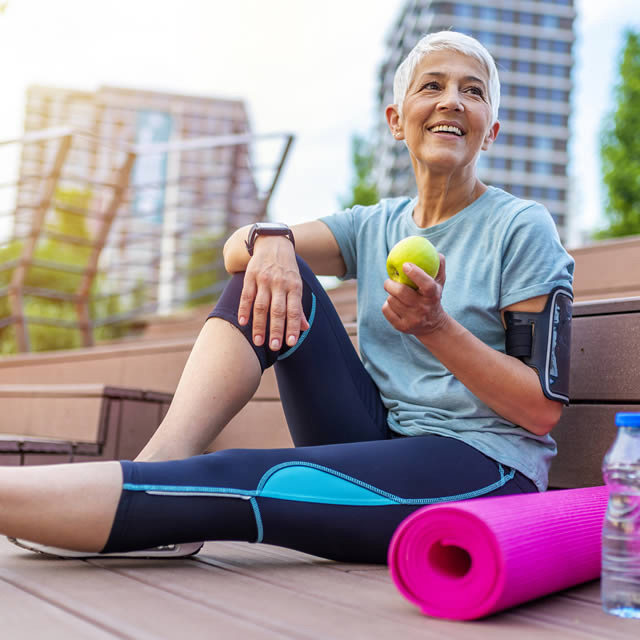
476 91
431 86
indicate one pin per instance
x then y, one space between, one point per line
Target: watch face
266 226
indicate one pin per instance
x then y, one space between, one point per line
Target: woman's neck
441 197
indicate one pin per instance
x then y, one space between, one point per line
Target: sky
308 67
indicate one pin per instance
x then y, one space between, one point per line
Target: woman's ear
394 121
492 134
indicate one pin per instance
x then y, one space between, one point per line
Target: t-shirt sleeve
343 227
534 261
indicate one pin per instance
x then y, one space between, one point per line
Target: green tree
206 269
364 190
70 203
620 147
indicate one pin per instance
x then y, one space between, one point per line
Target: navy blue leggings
344 488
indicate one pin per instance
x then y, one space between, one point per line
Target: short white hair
447 41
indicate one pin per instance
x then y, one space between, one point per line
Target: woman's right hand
273 290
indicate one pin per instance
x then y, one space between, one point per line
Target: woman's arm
504 383
272 283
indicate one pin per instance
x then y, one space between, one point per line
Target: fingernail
291 340
242 320
257 340
275 344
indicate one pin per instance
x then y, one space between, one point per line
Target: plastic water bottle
620 585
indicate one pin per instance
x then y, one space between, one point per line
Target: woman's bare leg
71 506
220 377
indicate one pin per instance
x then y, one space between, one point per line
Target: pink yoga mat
465 560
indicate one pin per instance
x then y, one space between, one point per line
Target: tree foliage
364 190
53 250
620 146
206 268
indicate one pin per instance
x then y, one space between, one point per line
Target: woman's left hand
420 311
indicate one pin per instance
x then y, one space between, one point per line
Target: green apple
417 250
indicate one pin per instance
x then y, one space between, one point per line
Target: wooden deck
240 590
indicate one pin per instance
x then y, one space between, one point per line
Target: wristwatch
267 229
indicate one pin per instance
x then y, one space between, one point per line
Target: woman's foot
165 551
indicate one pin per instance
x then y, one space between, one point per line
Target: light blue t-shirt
499 250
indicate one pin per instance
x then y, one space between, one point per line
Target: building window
537 192
560 71
544 44
525 42
520 140
487 13
506 40
560 47
523 66
541 142
524 17
462 10
548 21
486 37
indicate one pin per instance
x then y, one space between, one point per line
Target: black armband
543 342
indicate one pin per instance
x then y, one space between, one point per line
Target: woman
435 411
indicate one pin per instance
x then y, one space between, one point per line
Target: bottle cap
627 419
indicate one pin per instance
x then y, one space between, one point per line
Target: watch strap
269 229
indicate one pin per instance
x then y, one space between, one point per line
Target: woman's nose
450 99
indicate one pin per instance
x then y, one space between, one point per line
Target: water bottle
620 584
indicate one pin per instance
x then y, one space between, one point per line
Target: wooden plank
50 417
606 307
147 365
570 614
605 352
25 616
138 422
583 435
607 268
119 604
259 425
286 610
377 598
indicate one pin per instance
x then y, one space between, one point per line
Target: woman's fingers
278 317
260 314
247 297
276 301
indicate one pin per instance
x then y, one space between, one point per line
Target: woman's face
446 116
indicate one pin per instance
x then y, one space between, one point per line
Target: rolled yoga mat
465 560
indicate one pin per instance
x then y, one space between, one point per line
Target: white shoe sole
166 551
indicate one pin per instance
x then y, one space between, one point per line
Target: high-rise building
532 44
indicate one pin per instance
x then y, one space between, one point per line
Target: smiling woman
449 399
